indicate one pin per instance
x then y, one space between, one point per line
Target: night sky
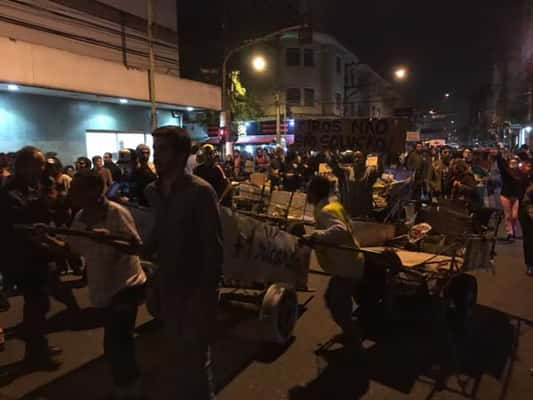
449 46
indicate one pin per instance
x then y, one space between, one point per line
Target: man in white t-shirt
114 274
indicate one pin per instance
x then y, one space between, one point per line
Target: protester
356 182
277 167
54 169
211 171
464 186
142 175
69 170
238 164
262 162
292 178
188 244
112 167
115 276
105 173
440 175
333 227
4 171
25 260
83 164
420 164
514 184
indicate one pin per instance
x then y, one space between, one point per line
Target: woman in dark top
514 185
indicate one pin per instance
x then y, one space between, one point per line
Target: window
339 65
338 101
309 97
294 96
309 58
293 57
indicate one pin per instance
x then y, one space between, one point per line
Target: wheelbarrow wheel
279 312
462 299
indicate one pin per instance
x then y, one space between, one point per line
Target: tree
244 106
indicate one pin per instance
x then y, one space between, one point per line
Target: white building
73 77
320 79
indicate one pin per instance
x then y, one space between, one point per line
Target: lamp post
225 115
401 74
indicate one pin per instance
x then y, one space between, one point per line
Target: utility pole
151 67
278 119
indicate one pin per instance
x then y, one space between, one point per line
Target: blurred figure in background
514 185
4 171
192 163
112 167
105 173
356 182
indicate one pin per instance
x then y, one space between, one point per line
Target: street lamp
447 95
225 115
401 73
259 63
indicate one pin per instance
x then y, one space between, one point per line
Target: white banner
255 251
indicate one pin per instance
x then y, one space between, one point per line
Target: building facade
74 76
318 79
505 112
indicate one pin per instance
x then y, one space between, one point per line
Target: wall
58 124
36 65
322 77
102 32
164 10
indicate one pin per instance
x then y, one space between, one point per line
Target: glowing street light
447 95
259 63
400 73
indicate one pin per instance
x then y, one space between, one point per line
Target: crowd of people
37 189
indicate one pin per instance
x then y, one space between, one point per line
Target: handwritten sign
255 251
369 136
413 136
372 161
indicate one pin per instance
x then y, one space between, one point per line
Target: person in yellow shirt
334 229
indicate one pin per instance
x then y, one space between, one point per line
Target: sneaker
530 270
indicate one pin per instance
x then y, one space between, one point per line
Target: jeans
510 210
339 295
119 343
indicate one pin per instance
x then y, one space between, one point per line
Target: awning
263 139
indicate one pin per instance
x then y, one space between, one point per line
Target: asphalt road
405 360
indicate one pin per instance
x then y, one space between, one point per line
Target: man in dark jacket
112 167
23 200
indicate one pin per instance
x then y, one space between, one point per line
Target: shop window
293 57
294 96
309 97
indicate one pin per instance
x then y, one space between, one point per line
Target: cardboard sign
372 161
257 252
412 136
297 207
369 136
280 202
